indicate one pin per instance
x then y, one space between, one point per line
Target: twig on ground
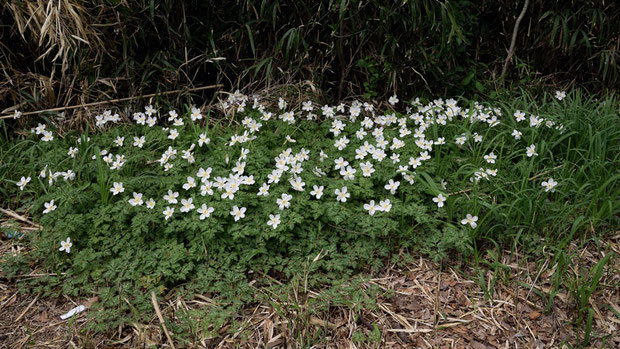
125 99
21 218
161 318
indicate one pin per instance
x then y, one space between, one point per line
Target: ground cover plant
205 199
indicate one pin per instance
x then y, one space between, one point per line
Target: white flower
203 139
171 197
117 188
307 106
22 182
517 134
48 136
263 190
549 185
340 163
490 158
519 115
385 205
139 141
168 212
560 95
471 220
195 115
66 245
136 200
341 143
371 207
392 186
284 201
238 213
460 140
367 169
49 207
393 100
439 199
150 204
17 114
342 195
119 141
322 156
229 191
149 110
186 205
273 221
173 134
72 152
348 173
531 151
297 183
317 191
205 211
191 183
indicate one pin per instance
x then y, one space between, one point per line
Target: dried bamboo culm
118 100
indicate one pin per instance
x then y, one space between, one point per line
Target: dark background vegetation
65 52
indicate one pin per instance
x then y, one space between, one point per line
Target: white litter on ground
72 312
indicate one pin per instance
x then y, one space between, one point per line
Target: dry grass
431 306
58 27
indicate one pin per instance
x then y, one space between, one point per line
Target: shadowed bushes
56 53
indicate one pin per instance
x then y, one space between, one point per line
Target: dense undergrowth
206 201
59 53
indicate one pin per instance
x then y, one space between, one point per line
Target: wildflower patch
188 196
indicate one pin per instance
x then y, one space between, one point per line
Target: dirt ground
432 306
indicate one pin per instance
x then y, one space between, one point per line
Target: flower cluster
361 149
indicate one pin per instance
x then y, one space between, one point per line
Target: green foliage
122 252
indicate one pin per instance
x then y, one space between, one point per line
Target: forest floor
501 303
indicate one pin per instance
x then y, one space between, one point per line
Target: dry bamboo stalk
161 318
18 217
124 99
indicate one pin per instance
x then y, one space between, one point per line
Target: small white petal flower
342 195
385 205
371 207
238 213
150 204
205 211
263 190
136 200
117 188
284 201
49 207
274 221
393 100
66 245
471 220
549 185
560 95
392 186
22 182
531 151
439 200
186 205
317 191
168 212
